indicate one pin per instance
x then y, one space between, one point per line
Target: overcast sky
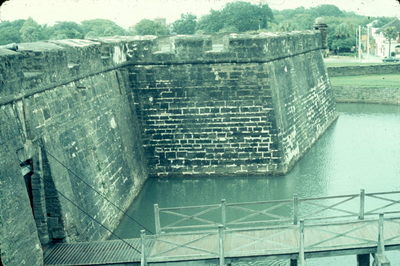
128 12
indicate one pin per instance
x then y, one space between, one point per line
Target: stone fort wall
64 106
237 110
108 113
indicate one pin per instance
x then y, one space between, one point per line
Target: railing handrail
294 213
329 197
219 232
189 207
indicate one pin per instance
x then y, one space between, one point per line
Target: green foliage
237 16
326 11
212 22
185 25
101 27
342 25
390 33
31 31
245 16
382 21
66 30
150 27
9 31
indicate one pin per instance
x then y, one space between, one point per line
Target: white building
382 44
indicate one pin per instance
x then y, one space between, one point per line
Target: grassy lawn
383 81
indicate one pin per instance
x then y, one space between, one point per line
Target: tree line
235 17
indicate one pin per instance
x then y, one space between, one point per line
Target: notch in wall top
185 44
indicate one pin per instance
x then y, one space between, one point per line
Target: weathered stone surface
363 70
255 113
85 128
351 94
253 104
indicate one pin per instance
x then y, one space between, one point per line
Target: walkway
294 232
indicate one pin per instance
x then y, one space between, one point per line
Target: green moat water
360 150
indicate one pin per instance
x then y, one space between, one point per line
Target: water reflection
360 150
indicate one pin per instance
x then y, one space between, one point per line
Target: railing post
379 257
362 204
143 261
223 212
301 260
157 219
295 208
221 245
381 239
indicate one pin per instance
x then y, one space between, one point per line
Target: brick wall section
253 108
206 119
388 68
303 102
349 94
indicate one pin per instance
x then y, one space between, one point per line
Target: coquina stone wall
388 68
351 94
82 117
253 107
64 112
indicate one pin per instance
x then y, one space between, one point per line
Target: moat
360 150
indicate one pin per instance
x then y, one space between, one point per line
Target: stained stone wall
252 108
89 116
386 68
64 106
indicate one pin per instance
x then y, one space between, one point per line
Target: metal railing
276 212
263 227
211 244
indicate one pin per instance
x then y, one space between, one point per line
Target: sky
128 12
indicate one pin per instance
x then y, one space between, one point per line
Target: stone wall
64 109
388 68
252 108
82 117
350 94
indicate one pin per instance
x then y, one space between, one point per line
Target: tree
185 25
150 27
31 31
390 33
245 16
101 28
242 16
327 11
341 37
66 30
9 31
212 22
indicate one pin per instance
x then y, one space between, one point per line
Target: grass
371 81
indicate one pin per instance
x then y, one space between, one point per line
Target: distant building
382 44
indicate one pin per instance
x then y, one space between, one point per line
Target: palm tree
390 33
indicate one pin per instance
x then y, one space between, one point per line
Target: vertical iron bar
221 245
301 260
381 242
295 208
143 254
157 219
223 212
362 204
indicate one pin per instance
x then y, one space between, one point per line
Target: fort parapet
88 116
